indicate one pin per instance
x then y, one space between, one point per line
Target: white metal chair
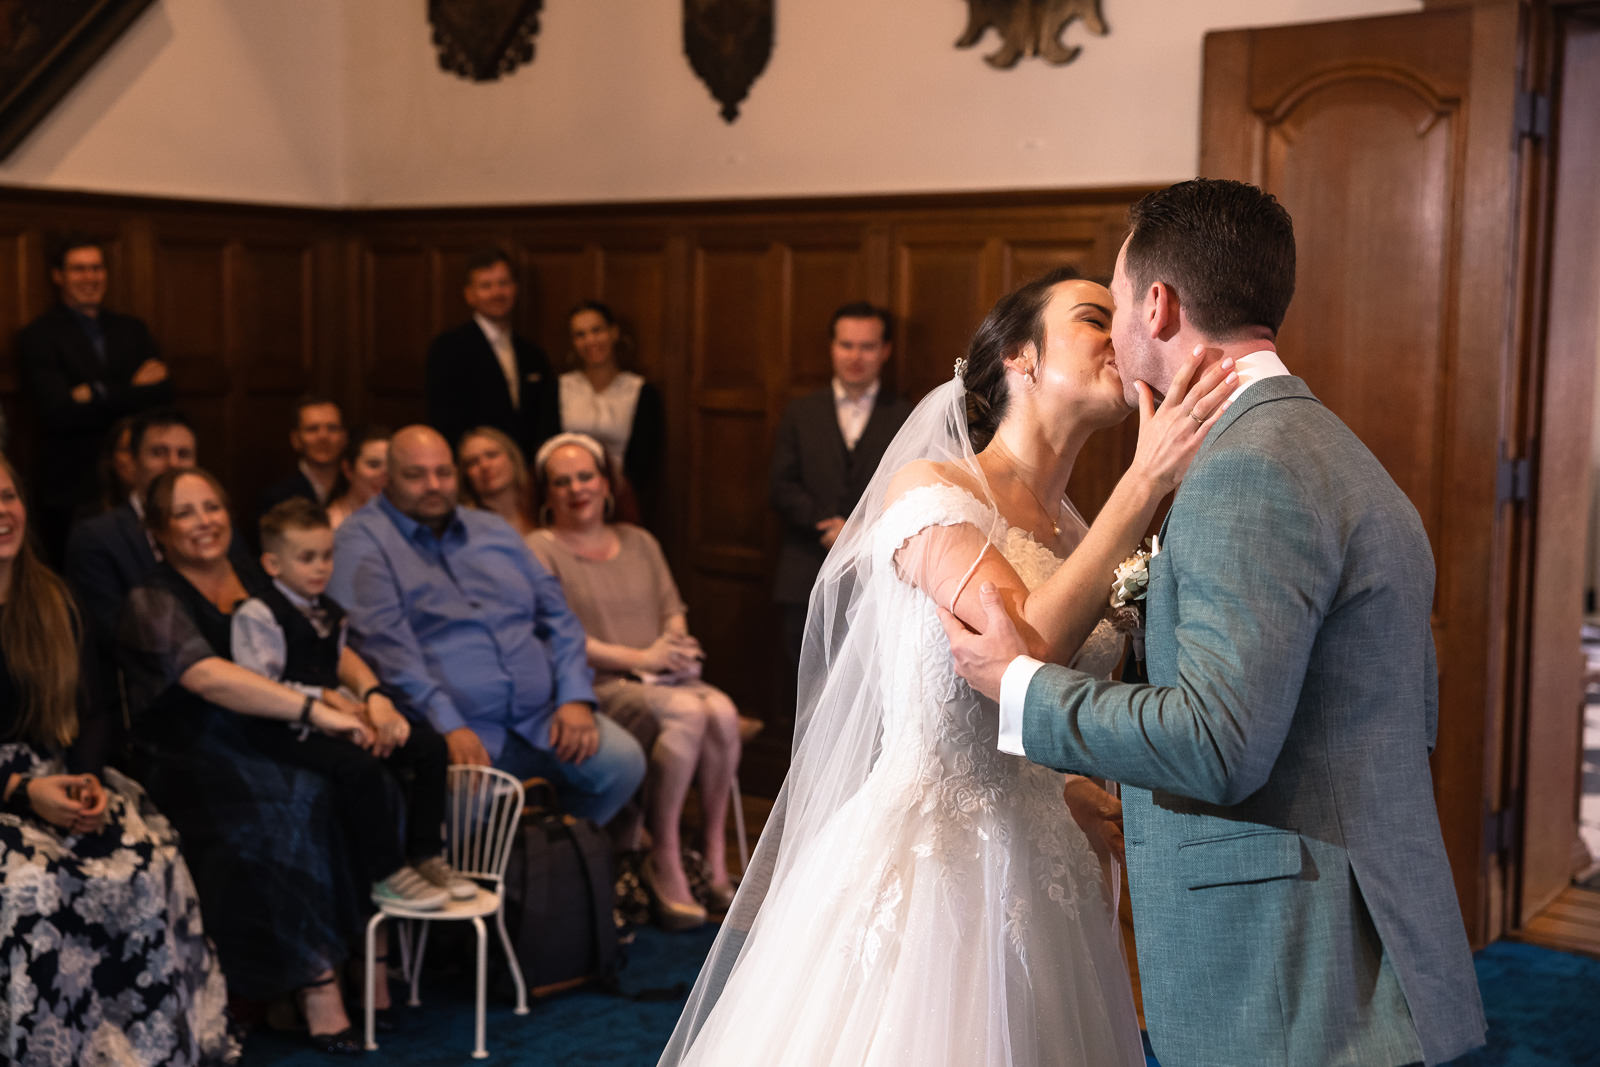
483 807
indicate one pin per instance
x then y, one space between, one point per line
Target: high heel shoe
720 896
344 1042
669 914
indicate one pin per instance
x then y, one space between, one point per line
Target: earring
610 508
546 516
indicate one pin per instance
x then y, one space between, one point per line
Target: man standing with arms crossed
1291 894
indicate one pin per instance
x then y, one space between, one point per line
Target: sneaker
441 874
408 889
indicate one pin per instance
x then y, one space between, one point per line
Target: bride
919 897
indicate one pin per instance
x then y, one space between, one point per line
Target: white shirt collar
866 399
323 488
496 335
1255 367
300 603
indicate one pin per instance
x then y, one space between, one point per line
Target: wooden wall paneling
943 285
554 277
276 326
194 321
633 283
1363 129
400 299
736 359
823 275
274 305
15 311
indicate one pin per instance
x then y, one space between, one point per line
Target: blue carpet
1543 1007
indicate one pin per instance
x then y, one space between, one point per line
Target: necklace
1055 527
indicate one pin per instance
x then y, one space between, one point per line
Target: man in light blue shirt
449 607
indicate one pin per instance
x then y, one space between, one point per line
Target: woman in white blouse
616 407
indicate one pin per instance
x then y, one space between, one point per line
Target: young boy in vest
292 633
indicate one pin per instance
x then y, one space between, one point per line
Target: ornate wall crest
1030 28
728 43
483 39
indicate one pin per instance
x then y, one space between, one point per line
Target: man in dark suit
318 438
829 444
482 374
83 367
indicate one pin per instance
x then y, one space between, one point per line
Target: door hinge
1513 480
1501 831
1533 115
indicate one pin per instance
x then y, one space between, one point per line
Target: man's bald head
422 476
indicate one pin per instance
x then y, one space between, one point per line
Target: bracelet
371 690
19 802
305 710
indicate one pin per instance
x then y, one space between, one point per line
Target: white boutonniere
1129 584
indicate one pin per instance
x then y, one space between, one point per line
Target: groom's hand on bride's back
982 658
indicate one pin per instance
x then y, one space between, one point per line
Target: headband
560 440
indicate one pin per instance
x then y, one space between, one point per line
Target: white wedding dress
950 912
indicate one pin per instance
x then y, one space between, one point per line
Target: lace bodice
923 666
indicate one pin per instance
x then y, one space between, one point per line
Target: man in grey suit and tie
1292 898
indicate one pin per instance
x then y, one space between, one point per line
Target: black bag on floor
559 898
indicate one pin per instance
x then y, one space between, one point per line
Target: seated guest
452 610
318 439
109 554
365 467
286 830
105 955
616 407
292 633
618 583
496 477
117 473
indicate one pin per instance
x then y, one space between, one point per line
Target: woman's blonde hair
519 470
40 632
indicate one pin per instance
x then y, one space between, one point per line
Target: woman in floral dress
102 952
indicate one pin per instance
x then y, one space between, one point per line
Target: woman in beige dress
617 582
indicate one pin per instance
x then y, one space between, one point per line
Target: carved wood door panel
1401 196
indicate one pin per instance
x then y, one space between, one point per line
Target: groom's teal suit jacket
1291 896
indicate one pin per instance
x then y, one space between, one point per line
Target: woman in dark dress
101 941
284 902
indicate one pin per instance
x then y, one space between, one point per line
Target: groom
1291 894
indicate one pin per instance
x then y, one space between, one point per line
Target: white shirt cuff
1013 695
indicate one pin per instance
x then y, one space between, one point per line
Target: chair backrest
482 810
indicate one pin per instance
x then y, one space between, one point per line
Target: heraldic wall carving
484 39
1030 28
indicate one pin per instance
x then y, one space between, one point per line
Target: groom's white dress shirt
1014 683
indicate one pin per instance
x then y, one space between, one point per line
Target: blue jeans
595 789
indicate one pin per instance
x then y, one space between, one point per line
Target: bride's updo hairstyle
1017 319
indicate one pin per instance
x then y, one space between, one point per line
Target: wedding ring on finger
1198 420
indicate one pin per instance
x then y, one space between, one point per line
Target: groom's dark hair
1227 248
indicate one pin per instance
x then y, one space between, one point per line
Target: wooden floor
1571 923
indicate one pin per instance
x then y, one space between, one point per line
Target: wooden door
1402 199
1563 345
